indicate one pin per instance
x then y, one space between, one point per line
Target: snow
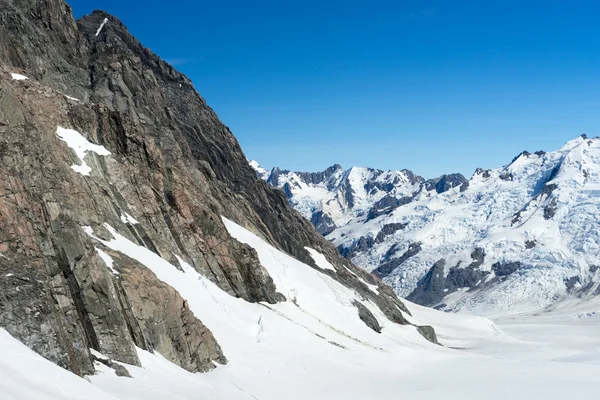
107 260
96 353
547 356
372 288
18 77
262 172
452 224
101 26
81 146
256 338
314 346
128 219
331 195
72 98
25 375
320 259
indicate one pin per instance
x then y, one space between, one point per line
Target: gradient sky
432 86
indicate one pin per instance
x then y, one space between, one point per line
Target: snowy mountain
516 238
335 197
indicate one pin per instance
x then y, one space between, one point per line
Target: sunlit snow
128 219
81 146
101 26
18 77
502 211
301 349
107 260
320 259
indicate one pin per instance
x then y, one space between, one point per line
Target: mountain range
519 237
142 258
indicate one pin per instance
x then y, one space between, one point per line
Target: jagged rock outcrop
163 321
367 317
446 182
168 170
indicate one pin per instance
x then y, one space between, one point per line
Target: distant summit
521 236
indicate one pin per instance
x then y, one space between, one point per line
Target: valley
144 257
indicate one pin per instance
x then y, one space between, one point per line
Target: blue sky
432 86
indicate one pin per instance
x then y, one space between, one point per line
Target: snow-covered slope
552 355
273 350
314 346
518 237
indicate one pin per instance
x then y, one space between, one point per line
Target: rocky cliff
98 134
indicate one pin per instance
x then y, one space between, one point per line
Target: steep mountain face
101 140
518 237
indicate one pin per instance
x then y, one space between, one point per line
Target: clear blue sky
433 86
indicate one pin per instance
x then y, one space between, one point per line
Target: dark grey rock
506 268
389 229
319 177
467 277
428 333
363 244
287 189
530 244
273 178
323 223
548 189
307 177
435 285
386 268
478 256
445 182
386 205
348 192
516 217
506 176
367 317
571 282
550 208
484 173
118 368
430 289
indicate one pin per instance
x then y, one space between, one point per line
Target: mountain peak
99 23
96 259
499 222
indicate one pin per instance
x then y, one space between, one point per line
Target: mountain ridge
415 239
101 140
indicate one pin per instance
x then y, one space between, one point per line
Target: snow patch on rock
18 77
81 146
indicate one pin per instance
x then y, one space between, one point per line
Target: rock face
446 182
162 171
163 321
367 317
